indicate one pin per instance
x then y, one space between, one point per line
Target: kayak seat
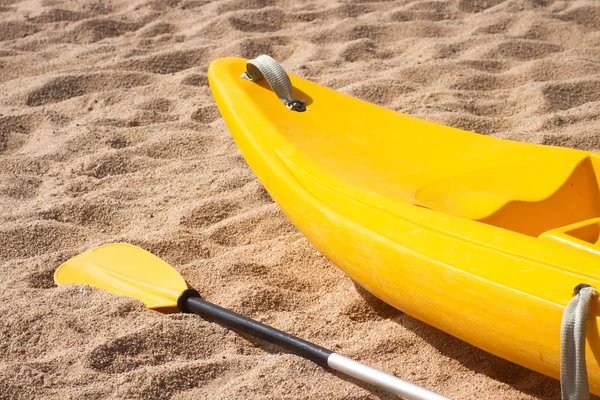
529 198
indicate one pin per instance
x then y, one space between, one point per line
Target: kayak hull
377 217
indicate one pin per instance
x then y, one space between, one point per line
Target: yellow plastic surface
454 228
127 270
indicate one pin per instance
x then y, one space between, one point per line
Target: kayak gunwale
512 253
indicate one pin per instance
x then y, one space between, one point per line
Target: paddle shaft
189 302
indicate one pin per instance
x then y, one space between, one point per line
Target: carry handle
266 67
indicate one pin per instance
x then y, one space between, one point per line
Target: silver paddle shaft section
380 379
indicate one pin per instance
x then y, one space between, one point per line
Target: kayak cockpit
557 199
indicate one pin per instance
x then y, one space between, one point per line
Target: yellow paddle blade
127 270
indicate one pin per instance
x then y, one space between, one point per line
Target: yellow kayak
480 237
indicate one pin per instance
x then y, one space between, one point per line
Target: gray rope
573 373
266 67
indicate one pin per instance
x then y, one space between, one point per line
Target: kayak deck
480 237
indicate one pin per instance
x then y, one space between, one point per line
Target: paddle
128 270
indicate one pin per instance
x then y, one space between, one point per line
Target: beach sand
109 132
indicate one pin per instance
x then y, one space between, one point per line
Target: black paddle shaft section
190 302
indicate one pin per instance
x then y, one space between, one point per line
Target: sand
108 132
